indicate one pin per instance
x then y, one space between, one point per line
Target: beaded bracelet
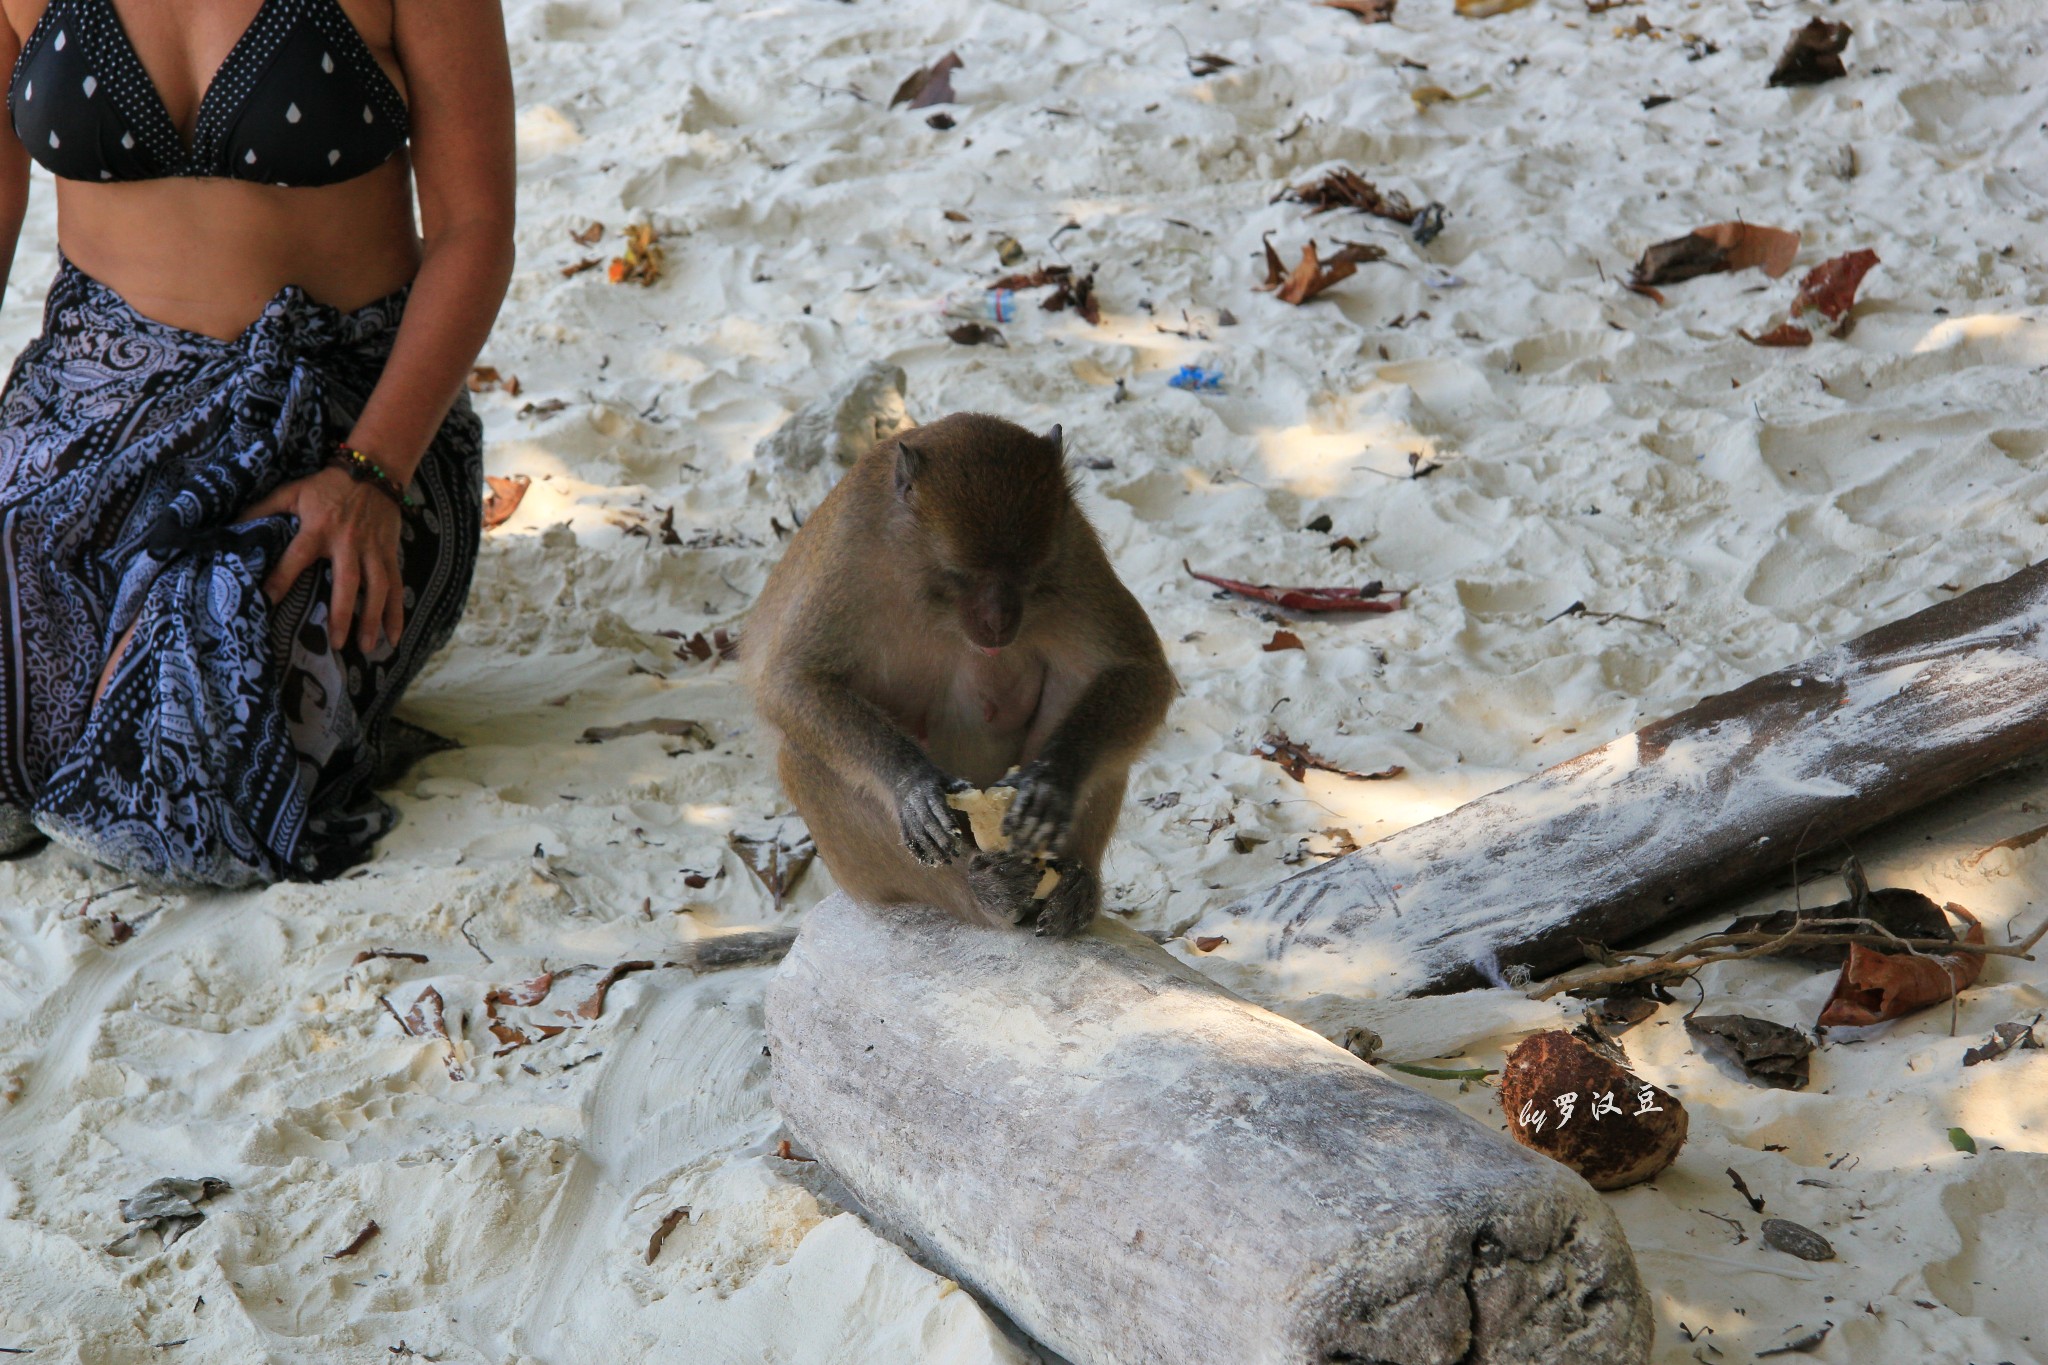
363 469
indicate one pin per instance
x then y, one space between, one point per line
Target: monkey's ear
1057 440
909 464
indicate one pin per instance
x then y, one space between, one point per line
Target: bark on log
1661 823
1138 1166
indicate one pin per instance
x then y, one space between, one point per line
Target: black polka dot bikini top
300 100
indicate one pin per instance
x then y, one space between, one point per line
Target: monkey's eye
958 581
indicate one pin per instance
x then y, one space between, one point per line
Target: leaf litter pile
1296 759
1345 188
1068 290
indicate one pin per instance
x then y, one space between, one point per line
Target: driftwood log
1661 823
1138 1166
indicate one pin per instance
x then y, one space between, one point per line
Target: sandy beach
1488 420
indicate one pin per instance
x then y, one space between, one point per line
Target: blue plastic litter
1195 379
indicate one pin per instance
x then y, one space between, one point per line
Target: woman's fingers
281 499
376 602
302 554
341 608
394 606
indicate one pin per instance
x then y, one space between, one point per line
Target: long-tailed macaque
946 615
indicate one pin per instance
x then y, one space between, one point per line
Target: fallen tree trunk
1661 823
1137 1166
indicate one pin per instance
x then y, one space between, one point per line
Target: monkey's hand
1044 808
1002 884
929 831
1073 904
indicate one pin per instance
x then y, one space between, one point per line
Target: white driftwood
1138 1166
1661 823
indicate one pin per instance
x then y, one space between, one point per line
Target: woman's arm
459 84
459 88
13 165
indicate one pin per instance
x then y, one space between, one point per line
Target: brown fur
868 653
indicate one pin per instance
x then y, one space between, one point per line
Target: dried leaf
956 216
1312 275
502 497
1768 1053
1486 9
1895 909
976 334
2005 1038
1800 1344
356 1243
521 994
394 954
1283 639
1209 943
1367 11
1784 334
670 1221
1830 287
1296 759
783 1150
778 865
1009 251
594 1006
1794 1239
589 236
428 1017
1875 986
1345 188
1813 55
643 261
721 644
1207 63
1716 248
690 730
929 84
1372 597
575 268
1960 1139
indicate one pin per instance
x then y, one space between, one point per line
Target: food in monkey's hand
985 809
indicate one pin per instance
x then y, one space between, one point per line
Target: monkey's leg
1002 884
1074 903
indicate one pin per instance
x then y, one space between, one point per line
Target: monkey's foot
1073 904
1002 884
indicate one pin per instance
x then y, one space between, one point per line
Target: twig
1439 1073
404 1027
1690 957
472 938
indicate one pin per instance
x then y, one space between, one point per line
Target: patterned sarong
233 745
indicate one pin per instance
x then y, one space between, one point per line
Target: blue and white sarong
233 746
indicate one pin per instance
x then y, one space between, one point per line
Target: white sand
1756 503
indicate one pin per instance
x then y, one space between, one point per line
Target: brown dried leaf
1875 986
643 261
1312 275
1366 11
1283 639
1345 188
976 334
1712 249
575 268
395 954
778 865
691 730
1207 63
357 1243
929 84
502 497
589 235
721 644
670 1221
1784 334
1296 759
1771 250
956 216
594 1006
1209 944
782 1149
1830 287
522 994
1768 1053
1486 9
428 1017
1813 55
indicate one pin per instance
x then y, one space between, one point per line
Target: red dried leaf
502 498
428 1017
594 1006
929 84
1283 639
1784 334
1830 287
1312 275
1771 250
1210 944
782 1149
1371 597
1713 249
1875 985
1296 759
520 993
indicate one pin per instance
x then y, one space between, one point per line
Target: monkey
945 616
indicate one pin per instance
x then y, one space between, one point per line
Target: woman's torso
206 254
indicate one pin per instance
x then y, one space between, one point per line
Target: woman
239 475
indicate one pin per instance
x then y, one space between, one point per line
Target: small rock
1782 1234
1577 1107
842 423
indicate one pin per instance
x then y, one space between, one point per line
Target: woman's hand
355 528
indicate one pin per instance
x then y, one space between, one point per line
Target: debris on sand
1296 759
168 1207
1312 275
929 85
1813 55
1370 597
1578 1107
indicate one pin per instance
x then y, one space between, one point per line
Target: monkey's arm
823 715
